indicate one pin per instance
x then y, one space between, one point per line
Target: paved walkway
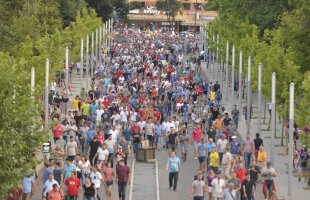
189 168
144 183
280 160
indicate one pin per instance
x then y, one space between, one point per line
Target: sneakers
195 158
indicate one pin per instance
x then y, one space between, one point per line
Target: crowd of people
147 92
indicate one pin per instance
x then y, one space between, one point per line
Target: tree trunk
265 104
282 135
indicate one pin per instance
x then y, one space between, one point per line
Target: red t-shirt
197 134
190 78
73 185
157 114
57 131
240 173
135 129
106 103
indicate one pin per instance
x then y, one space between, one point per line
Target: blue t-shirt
93 108
234 147
68 169
158 129
202 149
106 82
57 175
210 146
90 134
174 164
127 134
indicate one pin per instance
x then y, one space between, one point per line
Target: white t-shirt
268 172
115 134
226 158
115 118
141 125
96 178
133 116
102 153
217 187
123 116
99 113
221 144
71 148
176 125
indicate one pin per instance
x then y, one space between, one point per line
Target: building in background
189 17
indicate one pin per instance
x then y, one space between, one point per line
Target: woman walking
90 191
108 178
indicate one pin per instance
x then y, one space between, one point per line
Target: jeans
236 121
247 159
84 175
122 190
86 145
221 156
135 146
173 176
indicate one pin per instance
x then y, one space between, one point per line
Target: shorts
195 144
98 122
202 159
150 138
157 139
108 183
209 189
269 185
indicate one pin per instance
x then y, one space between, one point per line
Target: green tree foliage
303 103
264 13
122 9
8 13
20 133
68 10
104 8
170 7
135 5
283 50
32 34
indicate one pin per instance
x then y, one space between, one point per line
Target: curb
157 181
132 178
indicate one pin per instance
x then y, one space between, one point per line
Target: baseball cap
234 136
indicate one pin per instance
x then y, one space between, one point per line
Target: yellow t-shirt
75 103
212 96
261 156
214 159
85 108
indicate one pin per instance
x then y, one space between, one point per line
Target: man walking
198 188
122 177
173 166
73 184
268 173
230 192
